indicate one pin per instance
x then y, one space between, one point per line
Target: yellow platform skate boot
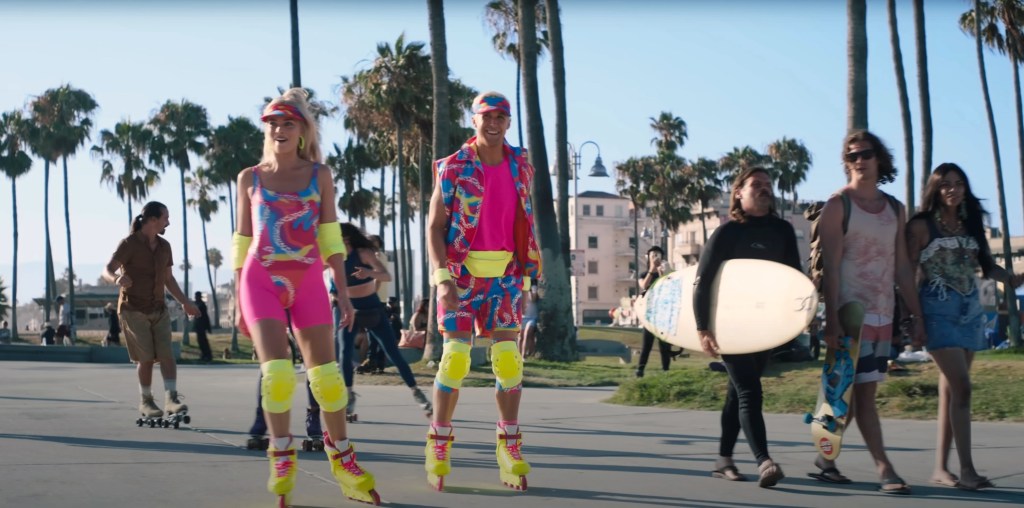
283 466
356 483
510 457
438 455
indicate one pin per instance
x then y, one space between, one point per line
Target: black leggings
663 347
743 404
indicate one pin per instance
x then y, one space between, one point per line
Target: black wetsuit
769 238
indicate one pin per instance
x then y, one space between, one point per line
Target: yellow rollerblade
438 454
282 473
356 483
510 458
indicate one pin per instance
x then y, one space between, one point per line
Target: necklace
954 230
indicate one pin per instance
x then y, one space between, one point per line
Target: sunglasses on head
861 155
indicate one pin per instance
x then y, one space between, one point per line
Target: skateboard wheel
152 424
808 418
186 419
831 426
175 424
138 422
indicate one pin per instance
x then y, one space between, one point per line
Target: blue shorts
952 319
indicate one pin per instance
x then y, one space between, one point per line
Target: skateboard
168 420
835 396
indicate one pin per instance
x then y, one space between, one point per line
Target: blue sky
738 72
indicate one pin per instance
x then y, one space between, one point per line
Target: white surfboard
756 305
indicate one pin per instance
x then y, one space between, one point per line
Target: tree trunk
14 276
184 235
1020 121
519 102
71 264
50 285
636 249
561 126
556 336
857 66
399 269
703 222
296 74
901 87
383 206
922 91
234 293
440 148
1008 291
215 322
424 263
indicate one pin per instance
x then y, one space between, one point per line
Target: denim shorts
952 319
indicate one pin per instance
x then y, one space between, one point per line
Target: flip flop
830 475
729 473
944 482
983 483
902 490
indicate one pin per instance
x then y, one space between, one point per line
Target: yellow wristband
239 249
527 283
328 237
441 275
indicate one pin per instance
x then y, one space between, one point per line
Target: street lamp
597 170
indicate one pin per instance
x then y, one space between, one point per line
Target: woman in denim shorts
946 239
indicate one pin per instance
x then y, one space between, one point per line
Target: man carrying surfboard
863 265
755 231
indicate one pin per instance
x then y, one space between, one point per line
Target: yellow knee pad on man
454 365
328 387
507 364
277 385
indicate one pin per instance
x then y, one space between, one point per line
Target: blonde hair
310 151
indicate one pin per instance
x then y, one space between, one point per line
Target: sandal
894 485
726 470
830 475
771 474
980 483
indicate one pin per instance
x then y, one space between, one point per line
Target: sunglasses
861 155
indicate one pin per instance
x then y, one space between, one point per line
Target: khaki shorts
147 335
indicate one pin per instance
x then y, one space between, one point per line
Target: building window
591 267
632 266
591 242
632 291
600 211
592 293
586 210
632 242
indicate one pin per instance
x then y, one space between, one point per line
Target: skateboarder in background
144 261
863 265
755 232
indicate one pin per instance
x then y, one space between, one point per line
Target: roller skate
356 483
438 454
315 440
258 439
151 414
283 466
510 458
176 411
350 410
421 399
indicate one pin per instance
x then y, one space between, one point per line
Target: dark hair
735 207
152 210
886 171
657 249
931 203
377 240
355 236
198 295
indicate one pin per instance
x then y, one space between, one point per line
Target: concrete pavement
68 438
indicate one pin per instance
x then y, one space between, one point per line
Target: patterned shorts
875 350
487 304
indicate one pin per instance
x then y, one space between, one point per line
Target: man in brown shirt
145 264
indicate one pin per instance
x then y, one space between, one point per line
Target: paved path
68 438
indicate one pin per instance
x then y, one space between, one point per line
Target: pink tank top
285 225
868 269
498 210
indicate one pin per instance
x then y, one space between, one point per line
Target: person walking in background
5 332
142 268
202 328
755 232
528 335
656 267
864 249
287 231
64 322
113 326
946 240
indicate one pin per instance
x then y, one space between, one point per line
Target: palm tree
231 148
130 143
671 133
502 16
5 306
742 158
668 191
857 65
633 179
207 205
923 93
705 186
556 338
440 145
181 129
1011 301
790 160
66 116
561 122
901 88
14 162
296 75
42 145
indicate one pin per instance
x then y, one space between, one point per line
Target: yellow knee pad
328 387
454 366
507 364
277 385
